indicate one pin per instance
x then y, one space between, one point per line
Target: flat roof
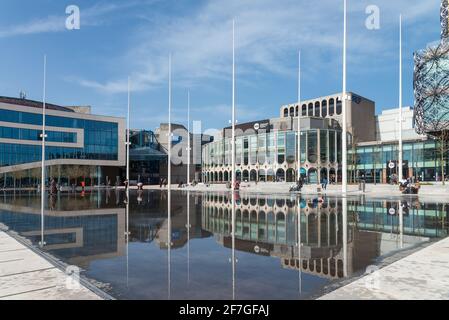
33 104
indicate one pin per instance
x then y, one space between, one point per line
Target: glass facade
100 139
272 156
421 161
35 135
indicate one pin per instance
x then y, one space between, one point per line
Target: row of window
35 135
316 109
55 121
14 154
276 147
101 139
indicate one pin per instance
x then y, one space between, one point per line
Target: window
317 109
339 106
310 110
331 107
304 110
324 108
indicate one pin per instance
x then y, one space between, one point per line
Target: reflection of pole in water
169 138
345 236
127 237
233 261
299 246
188 236
401 225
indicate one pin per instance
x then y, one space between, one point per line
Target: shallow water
89 231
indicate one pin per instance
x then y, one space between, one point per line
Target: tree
442 140
354 159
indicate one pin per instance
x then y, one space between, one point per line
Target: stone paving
24 275
424 275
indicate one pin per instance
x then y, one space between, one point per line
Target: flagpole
128 131
233 108
42 243
169 176
233 161
128 182
188 138
299 117
400 101
344 173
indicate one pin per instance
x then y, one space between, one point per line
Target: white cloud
91 16
268 34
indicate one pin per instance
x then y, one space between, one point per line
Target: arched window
285 112
304 110
292 112
331 107
297 111
324 108
310 110
317 109
339 106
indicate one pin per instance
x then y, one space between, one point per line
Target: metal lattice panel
431 88
444 12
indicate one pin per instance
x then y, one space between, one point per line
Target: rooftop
33 104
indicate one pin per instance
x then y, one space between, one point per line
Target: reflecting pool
204 247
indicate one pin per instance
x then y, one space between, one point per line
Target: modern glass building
78 143
272 156
145 156
267 150
431 82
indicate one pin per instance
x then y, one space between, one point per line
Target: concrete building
267 150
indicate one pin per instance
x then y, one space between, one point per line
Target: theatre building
267 150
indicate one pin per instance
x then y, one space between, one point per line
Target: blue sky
132 38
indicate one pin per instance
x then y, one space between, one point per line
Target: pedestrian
161 181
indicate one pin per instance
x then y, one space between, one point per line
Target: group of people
409 186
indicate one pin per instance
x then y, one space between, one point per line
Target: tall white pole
127 179
233 161
169 125
188 236
44 97
400 100
233 107
128 131
299 118
344 167
169 177
188 138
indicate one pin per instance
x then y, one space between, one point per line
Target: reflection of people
139 196
53 187
52 202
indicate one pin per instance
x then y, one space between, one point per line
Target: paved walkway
24 275
423 275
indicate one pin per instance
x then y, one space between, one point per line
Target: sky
133 38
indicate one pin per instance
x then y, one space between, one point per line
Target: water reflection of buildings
78 236
268 226
179 212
